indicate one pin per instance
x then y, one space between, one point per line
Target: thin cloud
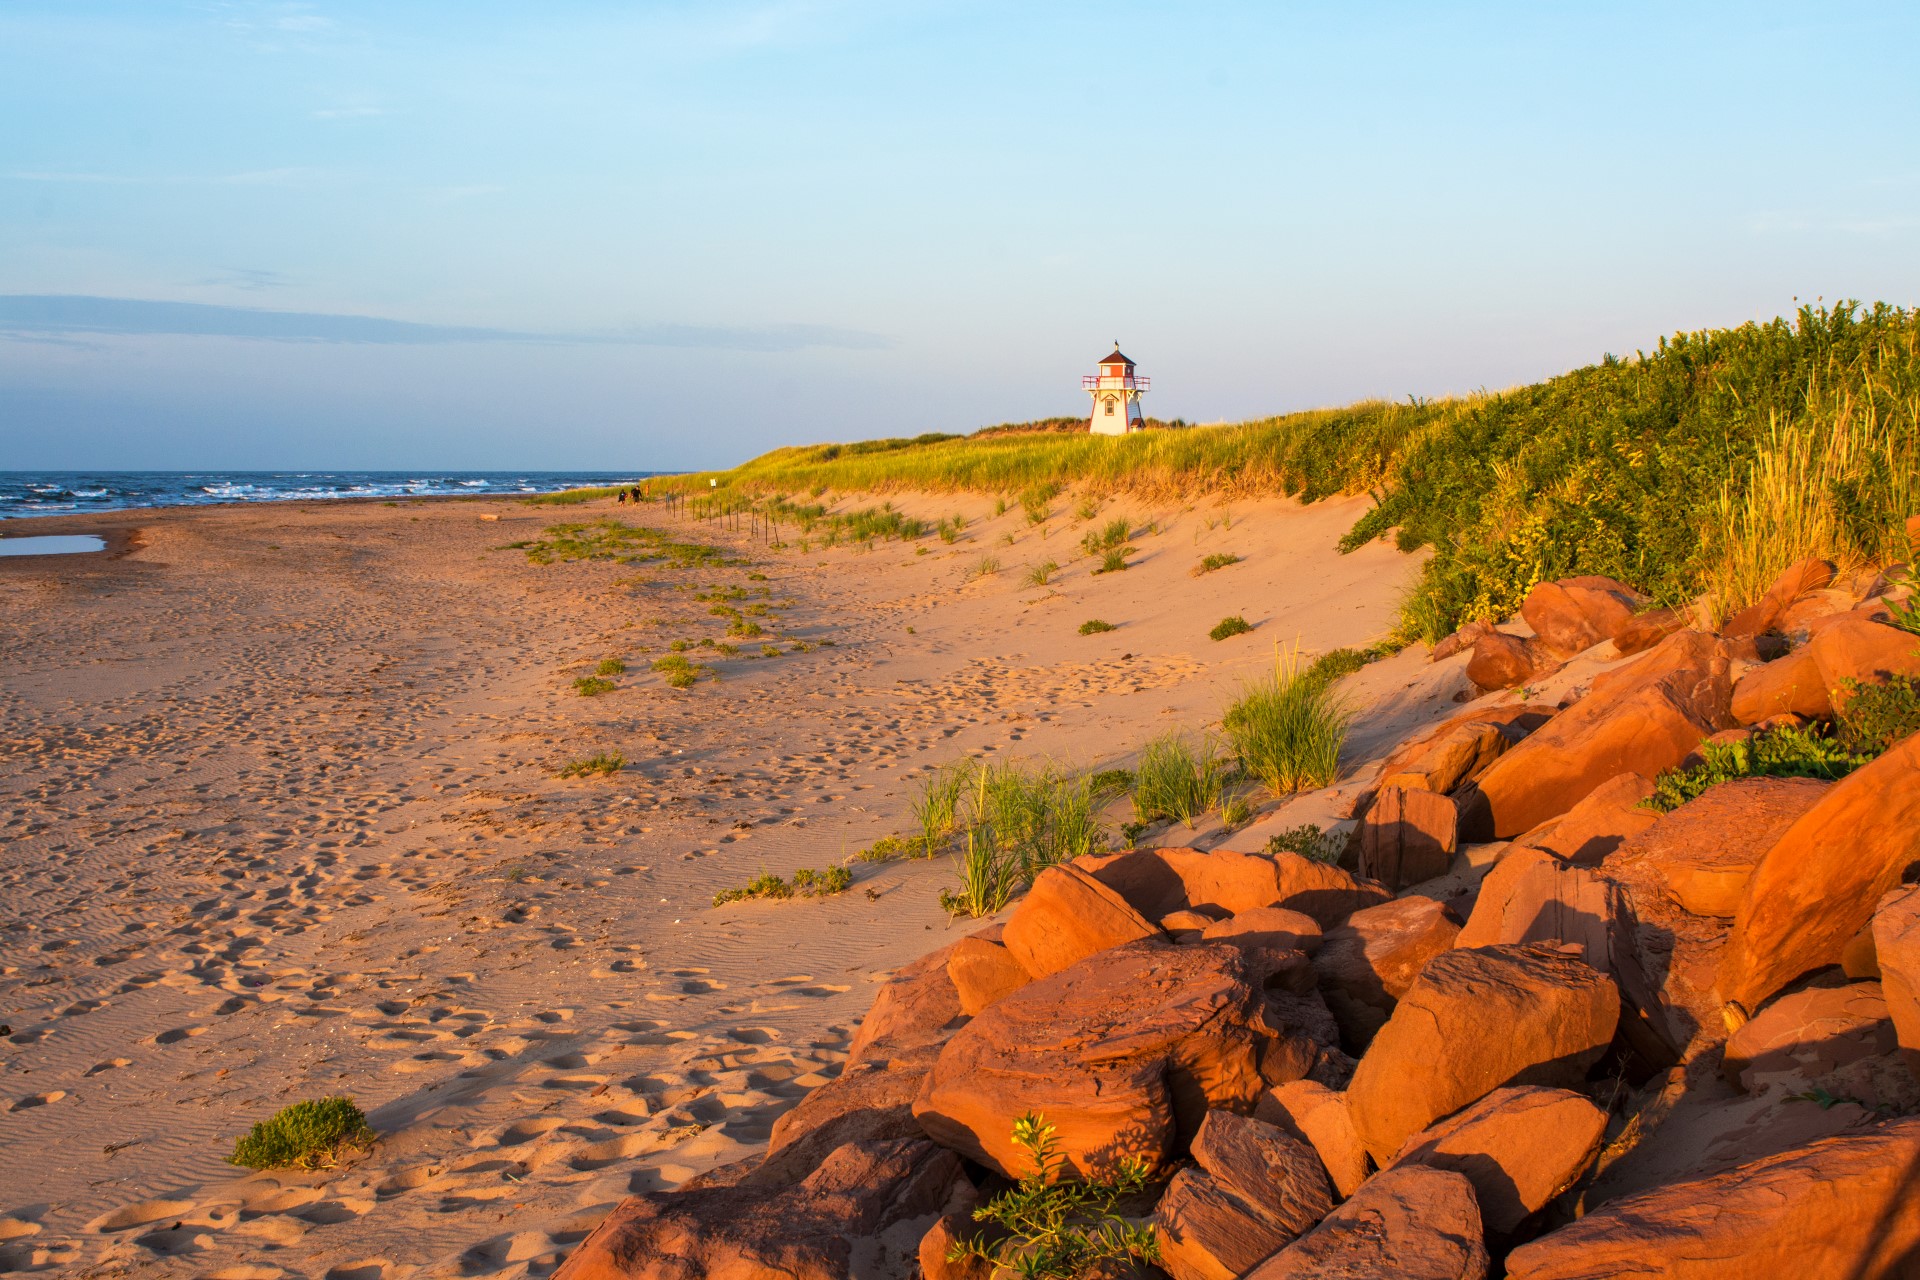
40 317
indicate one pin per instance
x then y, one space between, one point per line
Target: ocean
47 493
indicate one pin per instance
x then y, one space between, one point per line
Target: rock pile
1609 1041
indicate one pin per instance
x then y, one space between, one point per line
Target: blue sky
613 235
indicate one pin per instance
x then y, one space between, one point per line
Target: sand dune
279 818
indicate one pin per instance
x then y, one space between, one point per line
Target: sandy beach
280 817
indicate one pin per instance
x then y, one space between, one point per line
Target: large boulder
1642 717
1703 853
1159 882
917 1005
1791 685
821 1228
1274 928
1368 963
1896 940
1764 614
1573 614
1646 629
1067 916
1531 896
1322 890
1818 885
982 971
1123 1053
1805 1036
1503 661
1852 648
1255 1188
1521 1148
1408 836
871 1100
1473 1021
1439 749
1455 757
1840 1209
1411 1223
1609 816
1318 1115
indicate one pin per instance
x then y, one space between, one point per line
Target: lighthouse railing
1099 382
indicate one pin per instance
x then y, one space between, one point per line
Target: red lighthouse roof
1117 358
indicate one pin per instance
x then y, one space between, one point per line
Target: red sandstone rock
1854 649
1257 1187
1574 614
871 1100
1476 1020
1458 756
1839 1209
982 972
1502 661
918 1005
1515 720
1896 941
1765 613
1410 1223
1807 1035
1408 836
1531 896
1609 816
1368 963
1644 630
1521 1148
1192 923
1798 620
1640 718
939 1241
1158 882
1067 916
1322 891
808 1231
1786 686
1318 1115
1818 885
1460 641
1275 928
1118 1052
1705 851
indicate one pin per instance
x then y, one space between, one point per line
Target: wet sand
280 818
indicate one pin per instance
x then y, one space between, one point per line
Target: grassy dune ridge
1707 464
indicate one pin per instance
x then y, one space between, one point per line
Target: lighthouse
1116 396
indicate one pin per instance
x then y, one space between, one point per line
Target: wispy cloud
40 317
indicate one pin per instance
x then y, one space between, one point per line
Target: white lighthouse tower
1116 396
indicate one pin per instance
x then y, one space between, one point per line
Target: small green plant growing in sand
1109 783
1094 626
1288 728
887 848
314 1134
1114 561
1089 507
1035 500
678 672
1309 841
1132 831
806 883
949 529
987 878
999 506
987 567
600 763
1227 628
1113 535
744 628
678 646
610 667
1178 777
1218 560
937 806
756 577
1335 663
726 650
769 650
799 646
1039 575
1054 1228
1236 810
592 686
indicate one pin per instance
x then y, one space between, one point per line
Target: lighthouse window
1109 406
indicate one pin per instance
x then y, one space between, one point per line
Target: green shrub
601 762
1777 753
1288 728
1229 627
744 629
1088 508
1109 783
1218 560
1329 667
806 883
887 848
1016 821
1040 573
939 805
1308 841
1875 716
1236 811
1051 1228
307 1135
592 686
1178 777
1094 626
1113 561
1106 539
679 673
986 567
610 667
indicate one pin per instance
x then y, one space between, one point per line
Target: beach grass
1288 727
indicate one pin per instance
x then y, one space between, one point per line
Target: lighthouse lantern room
1116 396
